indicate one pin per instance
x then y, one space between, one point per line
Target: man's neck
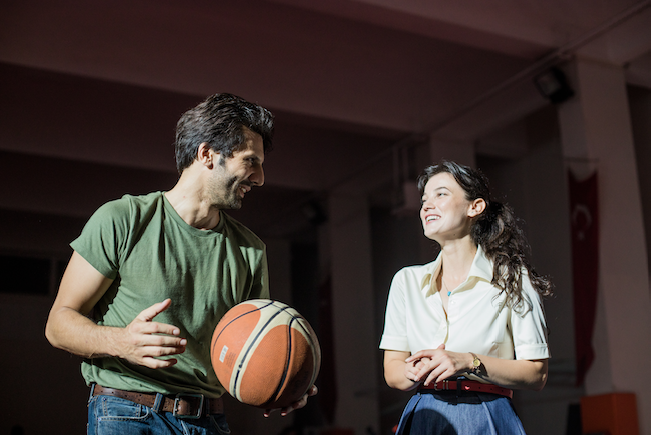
187 200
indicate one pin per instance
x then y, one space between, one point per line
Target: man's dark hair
220 120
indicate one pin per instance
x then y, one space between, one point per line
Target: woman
469 327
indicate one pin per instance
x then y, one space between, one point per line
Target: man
156 273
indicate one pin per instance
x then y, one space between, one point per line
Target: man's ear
476 207
207 156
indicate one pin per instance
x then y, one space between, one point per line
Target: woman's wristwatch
476 363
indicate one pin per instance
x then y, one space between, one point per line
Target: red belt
468 386
182 405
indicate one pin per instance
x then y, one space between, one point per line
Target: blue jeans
109 415
443 413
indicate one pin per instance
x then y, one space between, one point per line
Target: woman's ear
476 207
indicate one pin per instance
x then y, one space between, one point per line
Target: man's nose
257 178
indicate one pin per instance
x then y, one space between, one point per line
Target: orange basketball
265 353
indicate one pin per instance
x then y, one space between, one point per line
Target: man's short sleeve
103 237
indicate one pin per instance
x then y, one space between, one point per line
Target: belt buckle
445 385
192 416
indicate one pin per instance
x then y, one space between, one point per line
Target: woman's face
446 213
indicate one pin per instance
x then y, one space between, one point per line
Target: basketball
265 353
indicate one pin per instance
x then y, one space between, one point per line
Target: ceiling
349 80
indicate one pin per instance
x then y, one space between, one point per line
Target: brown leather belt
464 385
185 405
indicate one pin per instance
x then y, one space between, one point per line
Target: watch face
476 362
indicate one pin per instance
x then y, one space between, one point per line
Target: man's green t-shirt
152 254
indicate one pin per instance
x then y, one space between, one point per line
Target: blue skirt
445 413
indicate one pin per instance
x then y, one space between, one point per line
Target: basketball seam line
246 352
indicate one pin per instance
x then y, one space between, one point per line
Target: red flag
585 267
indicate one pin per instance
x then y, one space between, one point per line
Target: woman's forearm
515 374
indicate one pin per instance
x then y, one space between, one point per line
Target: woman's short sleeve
394 336
529 326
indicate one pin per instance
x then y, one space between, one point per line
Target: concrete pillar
356 352
596 129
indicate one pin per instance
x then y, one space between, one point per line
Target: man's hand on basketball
143 341
296 405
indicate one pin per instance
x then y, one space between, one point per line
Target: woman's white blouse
477 320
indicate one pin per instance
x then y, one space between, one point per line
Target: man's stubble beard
226 195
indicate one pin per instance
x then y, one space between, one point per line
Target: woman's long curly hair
497 231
